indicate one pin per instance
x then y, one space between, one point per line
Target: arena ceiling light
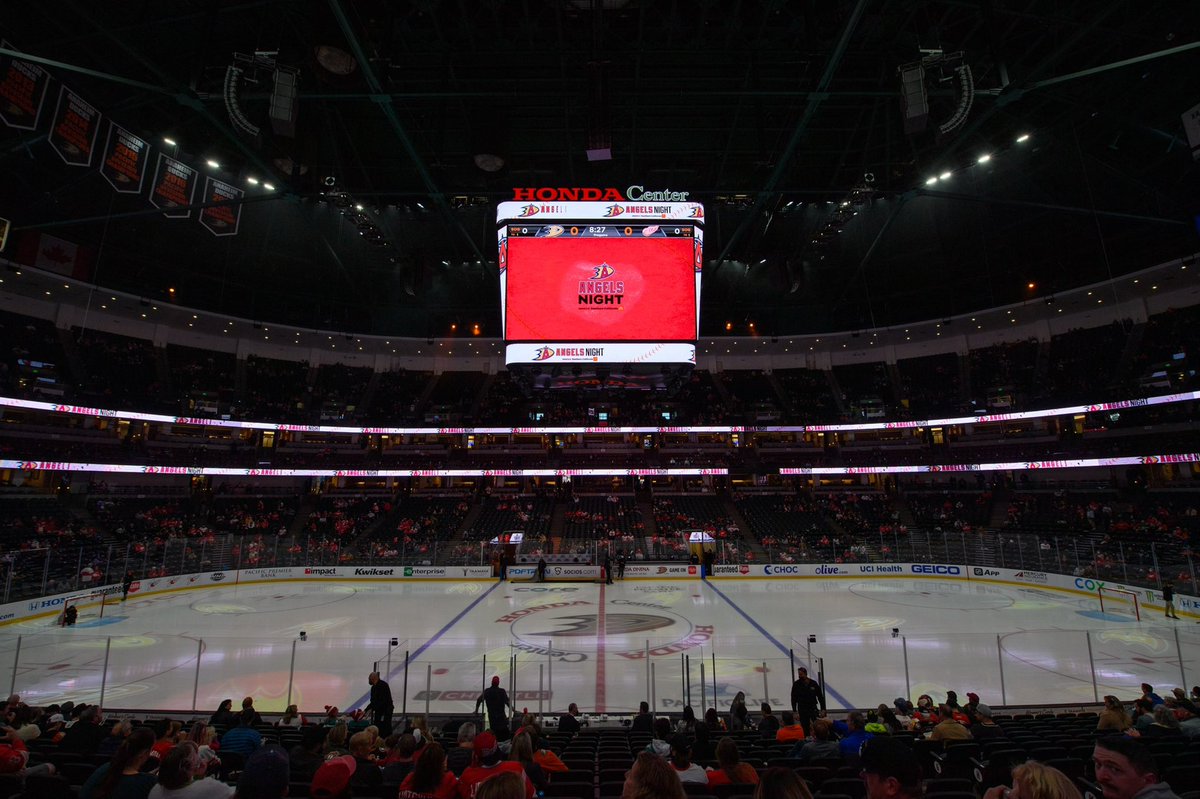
983 159
1023 137
167 140
213 164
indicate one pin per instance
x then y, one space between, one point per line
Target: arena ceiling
784 118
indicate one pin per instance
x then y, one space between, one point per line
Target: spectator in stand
687 723
25 723
307 756
381 706
166 732
781 783
489 761
768 725
291 717
181 777
224 715
1143 714
739 714
890 770
1034 780
681 761
400 760
985 728
652 778
242 739
569 721
122 777
522 752
248 704
14 758
789 730
820 745
1165 724
336 738
715 722
1114 717
730 769
265 776
852 743
502 786
366 774
84 736
643 721
332 780
702 746
949 728
430 778
1125 769
458 758
661 744
108 747
925 714
1149 695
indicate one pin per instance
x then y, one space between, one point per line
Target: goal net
87 606
1119 602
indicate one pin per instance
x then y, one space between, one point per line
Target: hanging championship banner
124 160
74 128
174 186
221 220
22 91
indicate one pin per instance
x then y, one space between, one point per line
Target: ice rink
1009 644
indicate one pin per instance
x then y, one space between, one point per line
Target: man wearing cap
496 700
487 762
381 706
984 728
890 770
1125 769
971 708
265 775
332 780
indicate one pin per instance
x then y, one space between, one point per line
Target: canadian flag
43 251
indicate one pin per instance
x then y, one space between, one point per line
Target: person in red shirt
430 779
730 768
487 762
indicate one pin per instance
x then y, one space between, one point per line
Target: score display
600 282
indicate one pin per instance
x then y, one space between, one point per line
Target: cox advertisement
621 283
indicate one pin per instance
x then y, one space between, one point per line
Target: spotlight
269 186
812 639
167 140
253 181
303 635
213 164
931 181
1023 137
945 176
394 642
895 632
983 159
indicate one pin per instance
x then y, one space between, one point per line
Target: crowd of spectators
1142 746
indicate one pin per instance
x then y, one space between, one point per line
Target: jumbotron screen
600 282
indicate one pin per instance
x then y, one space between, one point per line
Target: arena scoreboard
589 283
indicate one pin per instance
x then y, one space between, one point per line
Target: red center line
601 632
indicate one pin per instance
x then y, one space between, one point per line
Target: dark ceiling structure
1052 154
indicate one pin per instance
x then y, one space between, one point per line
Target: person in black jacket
806 698
84 736
643 721
381 707
496 699
569 721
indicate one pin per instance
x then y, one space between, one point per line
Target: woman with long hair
714 721
167 732
522 752
124 771
181 777
1114 717
730 768
203 736
651 778
224 715
429 778
1034 780
687 724
291 717
739 715
335 741
781 783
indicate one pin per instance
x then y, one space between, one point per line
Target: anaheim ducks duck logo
568 631
614 624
